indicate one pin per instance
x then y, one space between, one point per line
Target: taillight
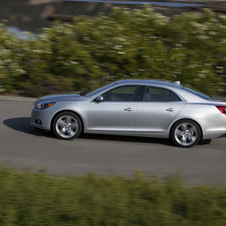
222 109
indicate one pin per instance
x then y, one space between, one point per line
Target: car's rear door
157 110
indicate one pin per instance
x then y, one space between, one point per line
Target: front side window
122 93
157 94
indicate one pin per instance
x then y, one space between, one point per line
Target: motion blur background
79 45
33 15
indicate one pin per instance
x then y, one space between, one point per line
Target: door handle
128 109
170 109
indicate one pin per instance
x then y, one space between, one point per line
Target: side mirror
99 99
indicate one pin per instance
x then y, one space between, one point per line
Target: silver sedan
145 108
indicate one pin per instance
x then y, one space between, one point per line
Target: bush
92 52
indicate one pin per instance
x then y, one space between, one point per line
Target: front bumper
44 116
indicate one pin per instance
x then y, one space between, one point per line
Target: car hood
66 97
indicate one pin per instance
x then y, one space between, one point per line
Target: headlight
44 105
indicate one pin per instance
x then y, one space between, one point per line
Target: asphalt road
22 146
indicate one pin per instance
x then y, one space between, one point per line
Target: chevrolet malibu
145 108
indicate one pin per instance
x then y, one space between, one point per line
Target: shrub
92 52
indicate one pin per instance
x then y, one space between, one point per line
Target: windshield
99 90
196 93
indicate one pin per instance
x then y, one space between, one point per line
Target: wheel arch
189 120
59 112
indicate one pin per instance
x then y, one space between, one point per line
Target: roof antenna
177 83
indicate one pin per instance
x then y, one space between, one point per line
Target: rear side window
156 94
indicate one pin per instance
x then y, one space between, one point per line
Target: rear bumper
214 128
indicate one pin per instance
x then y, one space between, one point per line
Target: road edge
18 99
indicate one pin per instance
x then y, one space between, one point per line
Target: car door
116 112
159 107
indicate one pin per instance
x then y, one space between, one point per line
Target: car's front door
157 110
116 112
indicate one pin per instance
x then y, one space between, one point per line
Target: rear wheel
67 126
186 133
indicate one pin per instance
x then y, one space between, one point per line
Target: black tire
185 133
67 126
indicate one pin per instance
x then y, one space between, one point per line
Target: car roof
148 82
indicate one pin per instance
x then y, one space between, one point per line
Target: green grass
28 198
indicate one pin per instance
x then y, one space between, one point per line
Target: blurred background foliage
138 43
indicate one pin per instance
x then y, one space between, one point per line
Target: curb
18 99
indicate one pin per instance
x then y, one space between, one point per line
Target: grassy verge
28 198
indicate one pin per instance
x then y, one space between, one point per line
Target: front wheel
67 126
185 133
